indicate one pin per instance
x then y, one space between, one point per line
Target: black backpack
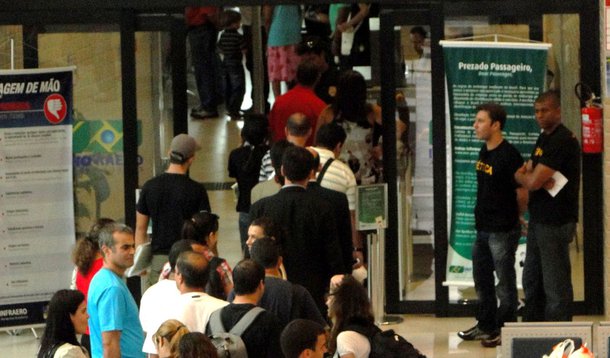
386 344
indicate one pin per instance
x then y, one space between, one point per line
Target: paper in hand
560 182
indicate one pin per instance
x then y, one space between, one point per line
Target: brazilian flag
99 136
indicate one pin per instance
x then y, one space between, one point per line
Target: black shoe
243 112
473 334
201 113
492 341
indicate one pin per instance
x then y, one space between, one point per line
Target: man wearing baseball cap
169 199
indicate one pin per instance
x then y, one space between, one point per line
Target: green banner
511 74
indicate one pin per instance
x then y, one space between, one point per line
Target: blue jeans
234 85
495 251
547 279
244 224
202 40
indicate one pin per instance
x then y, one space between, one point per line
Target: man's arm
357 242
534 179
111 344
141 228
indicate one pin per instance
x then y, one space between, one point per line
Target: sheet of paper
141 260
560 182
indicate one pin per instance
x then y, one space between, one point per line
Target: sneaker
201 113
492 341
473 334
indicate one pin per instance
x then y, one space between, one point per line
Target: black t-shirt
244 165
559 151
168 200
262 337
497 209
326 87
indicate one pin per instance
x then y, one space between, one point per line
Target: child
232 46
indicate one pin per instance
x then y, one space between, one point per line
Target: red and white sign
55 108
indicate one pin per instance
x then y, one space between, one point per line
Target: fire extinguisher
592 120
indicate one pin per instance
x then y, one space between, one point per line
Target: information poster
36 194
511 74
372 204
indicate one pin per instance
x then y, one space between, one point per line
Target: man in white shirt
156 305
194 306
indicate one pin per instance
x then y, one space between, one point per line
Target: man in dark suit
310 247
340 209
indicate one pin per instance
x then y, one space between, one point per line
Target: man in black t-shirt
553 214
500 201
169 199
262 337
317 51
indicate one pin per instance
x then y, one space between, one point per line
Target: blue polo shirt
112 308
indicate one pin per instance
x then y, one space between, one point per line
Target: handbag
347 37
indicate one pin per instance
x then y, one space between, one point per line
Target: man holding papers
555 161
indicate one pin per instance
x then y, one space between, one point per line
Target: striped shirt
267 172
338 176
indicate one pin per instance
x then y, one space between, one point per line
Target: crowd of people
335 37
296 202
183 315
294 293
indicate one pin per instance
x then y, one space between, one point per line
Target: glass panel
11 38
562 32
98 144
154 99
464 27
564 62
414 152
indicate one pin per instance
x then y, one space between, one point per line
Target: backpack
386 344
230 344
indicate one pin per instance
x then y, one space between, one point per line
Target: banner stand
376 278
16 331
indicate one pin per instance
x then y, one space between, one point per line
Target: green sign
511 74
372 208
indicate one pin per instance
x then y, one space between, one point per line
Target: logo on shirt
538 152
484 167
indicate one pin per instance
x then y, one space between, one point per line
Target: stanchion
376 277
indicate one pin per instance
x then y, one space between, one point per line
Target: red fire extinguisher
592 120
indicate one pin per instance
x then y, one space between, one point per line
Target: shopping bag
582 352
561 350
347 41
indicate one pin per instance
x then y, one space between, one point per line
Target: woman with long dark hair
88 260
348 304
203 228
196 345
362 124
67 316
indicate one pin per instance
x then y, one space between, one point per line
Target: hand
358 258
344 27
335 281
549 184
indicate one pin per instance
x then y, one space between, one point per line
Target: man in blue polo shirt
113 314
